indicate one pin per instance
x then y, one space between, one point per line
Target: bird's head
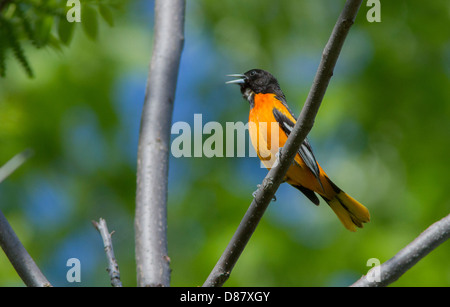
256 81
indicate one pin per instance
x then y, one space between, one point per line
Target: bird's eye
253 73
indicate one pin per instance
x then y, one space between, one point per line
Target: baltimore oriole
268 105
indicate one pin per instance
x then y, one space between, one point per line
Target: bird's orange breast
267 137
265 133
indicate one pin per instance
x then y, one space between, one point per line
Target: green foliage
65 30
44 24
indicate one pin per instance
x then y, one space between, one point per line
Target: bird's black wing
305 150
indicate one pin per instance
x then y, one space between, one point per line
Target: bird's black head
257 81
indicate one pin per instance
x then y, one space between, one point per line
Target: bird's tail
350 212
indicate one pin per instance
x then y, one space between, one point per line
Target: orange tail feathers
350 212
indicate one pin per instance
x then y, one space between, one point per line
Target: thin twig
274 178
395 267
152 261
113 267
14 163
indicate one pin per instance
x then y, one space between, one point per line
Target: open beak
241 79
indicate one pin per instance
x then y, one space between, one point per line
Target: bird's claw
278 154
278 157
254 193
274 198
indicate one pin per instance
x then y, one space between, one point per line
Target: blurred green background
382 134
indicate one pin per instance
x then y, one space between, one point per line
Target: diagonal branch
19 257
152 261
113 267
274 178
10 243
405 259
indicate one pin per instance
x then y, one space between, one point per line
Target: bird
268 106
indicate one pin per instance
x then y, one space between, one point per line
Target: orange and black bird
268 106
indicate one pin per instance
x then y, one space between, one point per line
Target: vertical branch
274 178
152 259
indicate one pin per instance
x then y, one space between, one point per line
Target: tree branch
395 267
274 178
19 257
10 243
14 163
152 260
113 267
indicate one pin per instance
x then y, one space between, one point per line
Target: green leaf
43 30
89 21
65 30
106 13
20 56
54 42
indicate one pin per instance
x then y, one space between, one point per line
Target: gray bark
19 257
395 267
152 259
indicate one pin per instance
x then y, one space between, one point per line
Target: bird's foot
254 193
258 186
